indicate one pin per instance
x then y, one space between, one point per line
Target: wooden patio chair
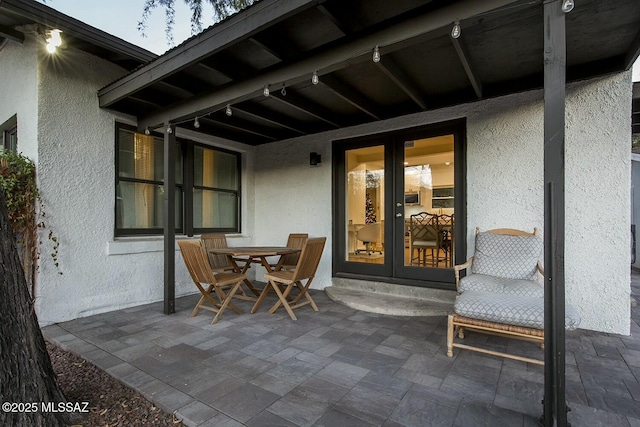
305 270
197 262
218 263
224 263
289 261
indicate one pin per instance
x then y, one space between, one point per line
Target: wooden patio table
257 255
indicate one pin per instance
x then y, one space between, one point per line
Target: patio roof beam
300 104
464 58
267 117
349 95
332 18
632 53
239 27
397 76
232 123
273 50
11 34
322 60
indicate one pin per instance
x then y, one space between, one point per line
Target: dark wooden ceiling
422 67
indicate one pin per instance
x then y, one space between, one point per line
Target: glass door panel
364 203
429 202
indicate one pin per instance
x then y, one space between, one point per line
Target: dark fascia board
636 90
238 27
44 15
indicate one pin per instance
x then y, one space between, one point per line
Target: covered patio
342 367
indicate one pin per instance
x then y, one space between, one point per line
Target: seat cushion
500 285
510 257
510 309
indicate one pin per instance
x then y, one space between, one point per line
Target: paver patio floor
343 367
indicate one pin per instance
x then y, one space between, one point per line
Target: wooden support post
169 219
555 406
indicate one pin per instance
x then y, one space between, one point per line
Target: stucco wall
18 92
505 185
76 149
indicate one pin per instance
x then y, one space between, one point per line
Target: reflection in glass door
365 215
429 202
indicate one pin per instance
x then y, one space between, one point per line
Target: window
207 186
9 133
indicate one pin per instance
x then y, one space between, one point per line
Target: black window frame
9 131
186 148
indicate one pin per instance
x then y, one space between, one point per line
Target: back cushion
510 257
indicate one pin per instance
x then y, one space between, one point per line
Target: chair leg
304 291
282 300
226 302
206 295
261 298
450 336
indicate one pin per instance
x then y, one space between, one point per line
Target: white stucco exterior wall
18 72
504 186
73 141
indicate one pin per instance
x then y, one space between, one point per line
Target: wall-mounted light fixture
54 40
567 6
315 158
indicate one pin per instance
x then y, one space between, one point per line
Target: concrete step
391 299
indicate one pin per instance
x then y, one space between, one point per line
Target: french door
399 205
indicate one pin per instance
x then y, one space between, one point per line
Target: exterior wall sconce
314 159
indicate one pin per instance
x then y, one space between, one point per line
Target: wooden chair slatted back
195 258
424 226
295 240
216 241
309 258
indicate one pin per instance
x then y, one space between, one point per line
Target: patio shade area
343 367
315 61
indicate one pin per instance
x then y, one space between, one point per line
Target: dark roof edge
636 90
45 15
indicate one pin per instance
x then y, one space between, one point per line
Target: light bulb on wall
196 123
376 54
54 40
228 110
567 6
146 131
314 78
169 130
265 92
456 30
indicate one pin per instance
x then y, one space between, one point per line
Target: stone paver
343 367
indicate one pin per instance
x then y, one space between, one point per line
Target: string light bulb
314 78
54 40
169 130
196 123
567 6
228 110
265 92
284 90
147 131
376 54
456 30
